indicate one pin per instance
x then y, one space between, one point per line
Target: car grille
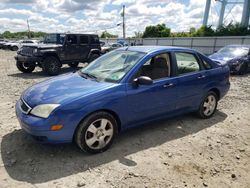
27 51
25 107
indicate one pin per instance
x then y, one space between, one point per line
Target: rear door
94 42
84 46
192 78
72 48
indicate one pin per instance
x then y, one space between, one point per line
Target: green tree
204 31
138 34
159 30
22 34
232 30
105 34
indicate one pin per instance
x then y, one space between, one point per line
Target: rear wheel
93 57
51 65
73 64
96 133
25 67
14 48
208 105
243 69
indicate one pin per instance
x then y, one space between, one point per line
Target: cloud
100 15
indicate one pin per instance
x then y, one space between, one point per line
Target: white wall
206 45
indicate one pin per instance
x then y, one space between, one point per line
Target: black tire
14 48
210 108
25 67
73 64
243 69
51 66
83 132
92 57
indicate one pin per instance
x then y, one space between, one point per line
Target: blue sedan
128 87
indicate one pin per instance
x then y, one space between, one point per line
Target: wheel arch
113 113
216 91
48 54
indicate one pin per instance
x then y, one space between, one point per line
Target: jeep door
72 48
84 47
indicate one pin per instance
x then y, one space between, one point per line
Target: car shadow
40 74
29 161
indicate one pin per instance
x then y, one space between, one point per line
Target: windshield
234 51
113 66
54 38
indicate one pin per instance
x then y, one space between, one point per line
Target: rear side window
84 39
94 40
72 39
186 63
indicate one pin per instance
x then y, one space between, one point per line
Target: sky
96 16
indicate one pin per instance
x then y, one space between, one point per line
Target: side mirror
143 80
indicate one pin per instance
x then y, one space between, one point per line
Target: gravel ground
181 152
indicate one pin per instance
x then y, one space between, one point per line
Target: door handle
201 76
168 85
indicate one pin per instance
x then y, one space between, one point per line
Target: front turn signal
56 127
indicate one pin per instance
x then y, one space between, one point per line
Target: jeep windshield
54 39
112 67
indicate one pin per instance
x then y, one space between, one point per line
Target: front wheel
96 133
208 105
25 67
51 65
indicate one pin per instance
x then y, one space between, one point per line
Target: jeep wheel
51 65
25 67
14 48
73 64
92 57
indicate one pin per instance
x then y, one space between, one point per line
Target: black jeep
58 49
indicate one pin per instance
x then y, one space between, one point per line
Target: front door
148 102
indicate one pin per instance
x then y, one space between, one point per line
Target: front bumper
28 59
39 128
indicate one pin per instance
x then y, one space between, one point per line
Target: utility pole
123 22
206 13
245 14
222 12
28 28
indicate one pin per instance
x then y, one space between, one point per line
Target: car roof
152 49
239 45
73 34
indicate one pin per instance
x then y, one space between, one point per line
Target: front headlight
44 110
35 51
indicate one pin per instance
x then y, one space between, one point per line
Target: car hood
62 89
43 45
222 56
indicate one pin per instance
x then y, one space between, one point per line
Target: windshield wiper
87 75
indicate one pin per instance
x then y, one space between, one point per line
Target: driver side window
156 68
